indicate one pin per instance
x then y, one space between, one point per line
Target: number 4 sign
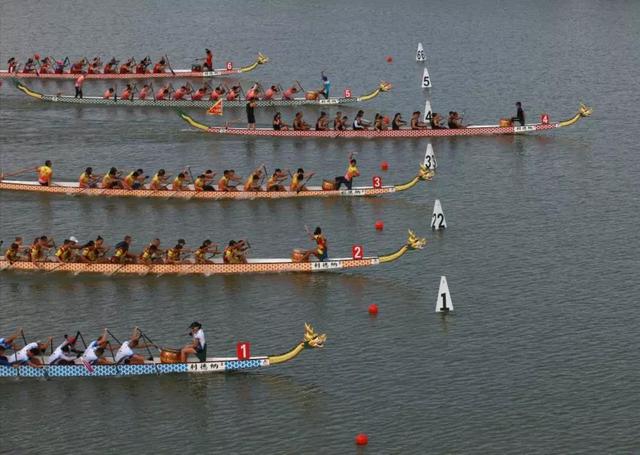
243 350
357 252
229 66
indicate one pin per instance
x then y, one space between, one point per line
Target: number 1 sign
243 350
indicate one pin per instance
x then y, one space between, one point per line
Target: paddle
146 338
305 182
169 64
300 85
22 171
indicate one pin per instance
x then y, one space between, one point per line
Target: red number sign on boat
357 252
243 350
544 119
229 66
347 93
377 182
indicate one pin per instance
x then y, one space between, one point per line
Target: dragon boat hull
203 104
473 130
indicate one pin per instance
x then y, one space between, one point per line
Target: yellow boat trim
26 90
413 243
192 122
261 60
383 87
423 174
583 111
311 340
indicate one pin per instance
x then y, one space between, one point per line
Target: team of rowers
380 122
185 180
96 251
49 65
33 354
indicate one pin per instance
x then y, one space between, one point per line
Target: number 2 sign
377 182
243 350
229 66
347 93
357 252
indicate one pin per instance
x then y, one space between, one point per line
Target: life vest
223 183
124 68
143 93
173 254
158 68
129 180
321 242
198 95
231 95
126 94
214 95
352 172
84 180
64 253
156 183
11 255
198 184
141 68
107 94
108 69
107 180
288 94
177 184
90 253
44 174
179 94
36 252
268 94
146 254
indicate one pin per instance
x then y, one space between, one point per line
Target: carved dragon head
312 339
425 173
414 242
385 86
262 58
584 111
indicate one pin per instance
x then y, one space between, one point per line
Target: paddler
174 255
233 93
179 183
121 254
275 181
397 122
207 247
64 253
111 180
87 179
29 66
320 251
199 94
125 354
347 179
60 65
253 182
297 181
148 255
416 123
225 183
203 181
61 354
38 248
183 91
198 346
109 93
45 65
141 68
299 124
208 60
127 67
12 65
110 66
436 121
8 342
127 93
158 182
270 93
92 355
45 173
253 93
159 66
519 114
289 93
234 253
322 124
28 354
359 123
13 253
89 253
217 93
164 93
134 180
142 94
337 122
94 66
78 66
278 124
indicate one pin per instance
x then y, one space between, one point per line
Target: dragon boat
171 74
73 189
165 364
204 104
217 267
471 130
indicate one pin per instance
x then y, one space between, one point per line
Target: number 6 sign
357 252
243 350
377 182
229 66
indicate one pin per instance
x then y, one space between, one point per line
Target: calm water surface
541 253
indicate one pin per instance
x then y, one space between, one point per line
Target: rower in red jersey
108 93
159 67
12 64
164 93
127 67
45 65
289 93
110 68
127 93
142 95
253 94
29 66
208 60
199 94
233 93
182 92
78 67
270 93
141 68
94 66
216 93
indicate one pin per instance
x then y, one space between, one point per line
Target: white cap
73 239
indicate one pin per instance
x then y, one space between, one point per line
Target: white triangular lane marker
430 158
427 112
420 57
437 218
444 304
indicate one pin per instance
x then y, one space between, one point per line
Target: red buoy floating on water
389 59
384 166
379 225
362 439
373 309
37 57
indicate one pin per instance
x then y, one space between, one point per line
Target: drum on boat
169 355
505 122
328 185
311 95
297 255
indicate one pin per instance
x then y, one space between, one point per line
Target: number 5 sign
357 252
243 350
229 66
426 79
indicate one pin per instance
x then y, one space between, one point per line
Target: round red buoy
362 439
384 166
379 225
37 56
373 309
389 59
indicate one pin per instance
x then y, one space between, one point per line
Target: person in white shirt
62 354
125 354
28 354
92 355
198 346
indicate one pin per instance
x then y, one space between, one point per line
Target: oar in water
169 64
13 174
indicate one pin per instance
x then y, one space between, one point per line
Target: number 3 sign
357 252
377 182
243 350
